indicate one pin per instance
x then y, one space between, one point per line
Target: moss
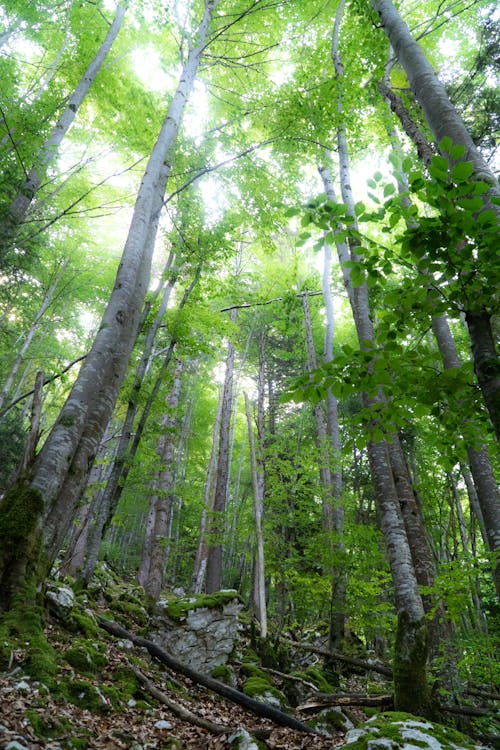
46 727
85 658
256 686
411 688
223 673
19 512
331 719
178 608
127 683
134 611
388 725
79 621
21 632
314 675
86 695
252 670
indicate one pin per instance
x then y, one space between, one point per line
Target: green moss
20 509
252 670
257 686
223 673
178 608
85 658
21 631
85 695
314 675
79 621
46 727
388 725
127 683
331 719
135 612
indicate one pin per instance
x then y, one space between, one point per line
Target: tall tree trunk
479 461
164 490
18 209
216 522
258 499
411 691
28 337
61 469
200 565
444 120
339 578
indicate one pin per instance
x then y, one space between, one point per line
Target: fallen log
257 708
321 700
189 716
337 656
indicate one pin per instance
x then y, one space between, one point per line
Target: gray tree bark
61 469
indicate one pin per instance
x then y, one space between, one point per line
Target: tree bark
216 522
62 467
19 207
258 499
163 496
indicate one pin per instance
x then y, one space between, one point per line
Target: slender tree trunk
164 490
216 522
18 209
441 115
62 467
478 457
28 337
444 120
200 566
410 657
258 499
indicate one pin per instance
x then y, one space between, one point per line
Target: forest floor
103 708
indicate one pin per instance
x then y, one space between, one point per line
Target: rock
243 741
332 720
60 599
162 724
198 631
15 745
399 731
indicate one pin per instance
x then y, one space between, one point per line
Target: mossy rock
135 612
178 608
46 727
21 632
83 622
85 695
331 720
397 730
257 687
85 658
316 676
225 674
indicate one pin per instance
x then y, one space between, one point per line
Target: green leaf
471 204
389 189
461 171
440 163
446 144
487 217
457 152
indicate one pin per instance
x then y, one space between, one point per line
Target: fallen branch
468 710
260 709
483 694
291 677
337 656
342 699
189 716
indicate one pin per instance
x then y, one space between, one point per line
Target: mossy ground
389 725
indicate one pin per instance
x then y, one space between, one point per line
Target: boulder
198 631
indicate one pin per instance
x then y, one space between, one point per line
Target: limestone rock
60 599
201 637
398 731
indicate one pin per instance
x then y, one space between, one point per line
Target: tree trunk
258 498
28 337
441 115
18 209
216 522
62 467
164 490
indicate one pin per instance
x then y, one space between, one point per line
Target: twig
337 656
